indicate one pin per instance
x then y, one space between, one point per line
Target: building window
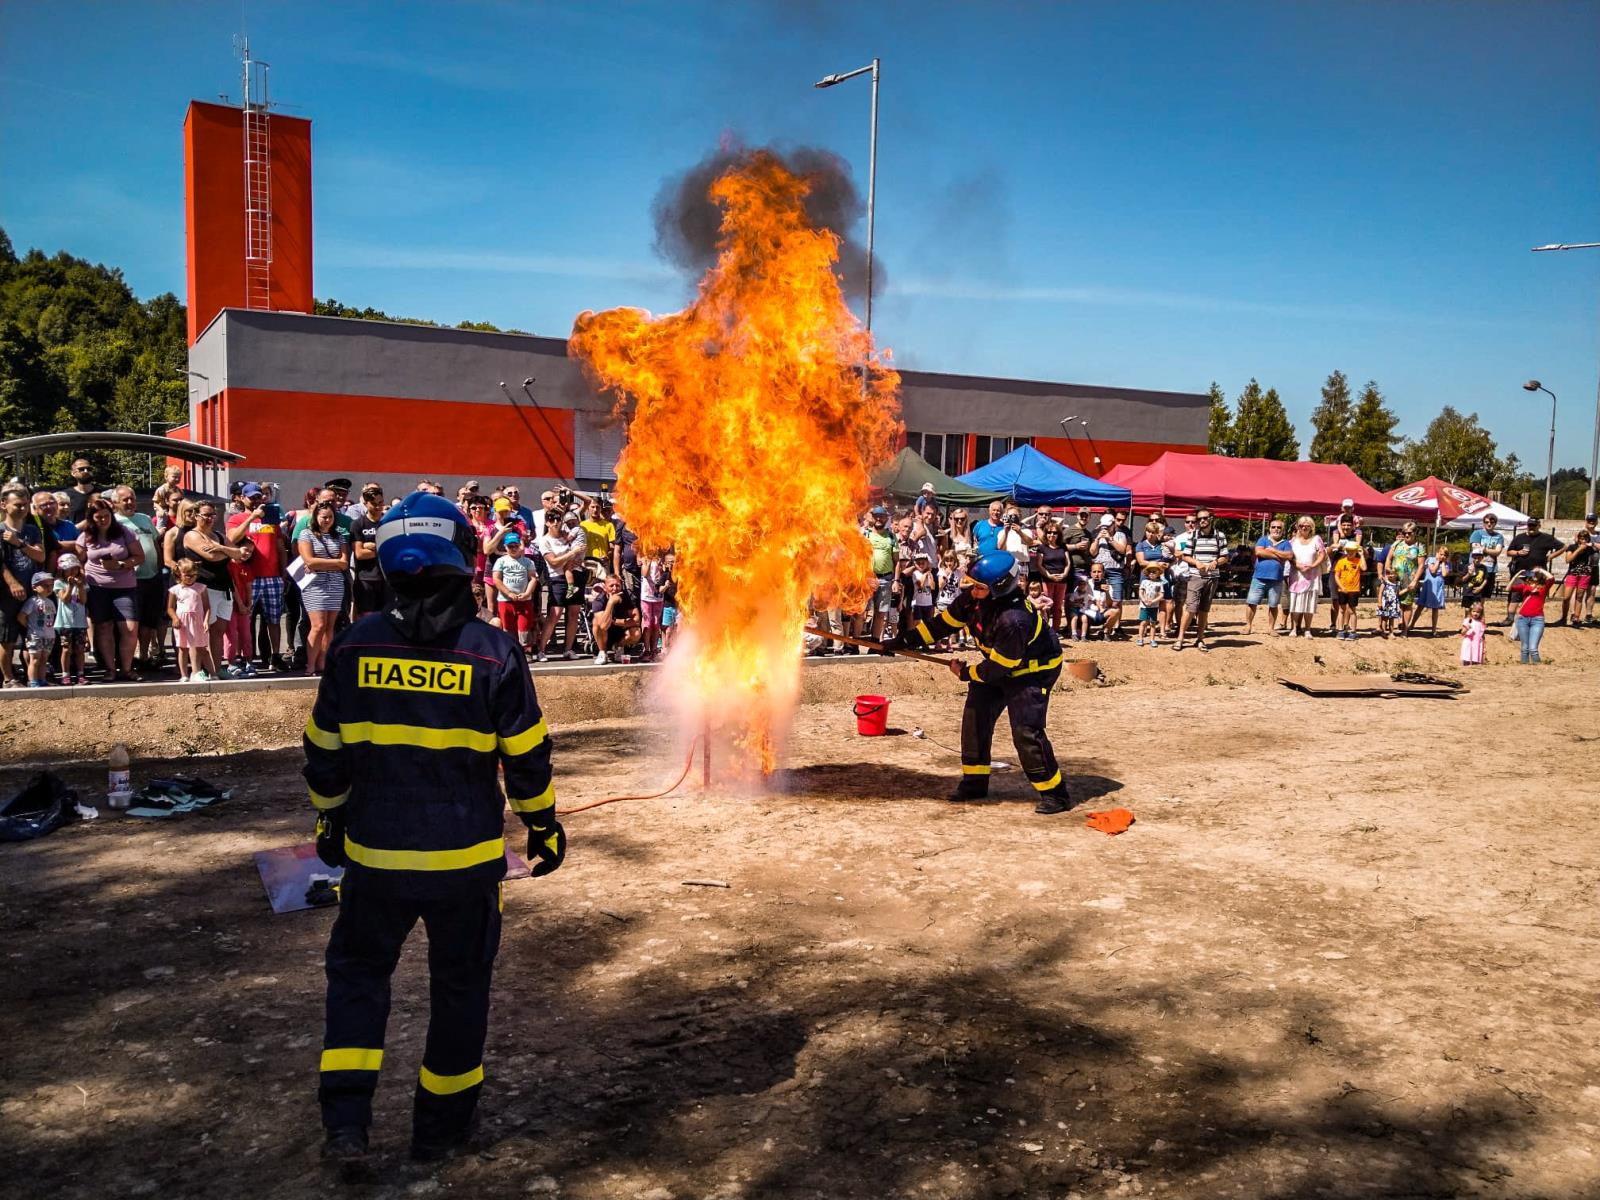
989 448
942 450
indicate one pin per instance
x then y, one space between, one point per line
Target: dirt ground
1348 949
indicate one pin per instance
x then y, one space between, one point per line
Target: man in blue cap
1021 664
420 709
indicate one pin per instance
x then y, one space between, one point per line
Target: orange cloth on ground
1113 820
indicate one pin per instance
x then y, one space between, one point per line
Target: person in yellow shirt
601 536
1347 570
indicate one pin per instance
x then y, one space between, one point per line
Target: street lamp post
828 81
1594 450
1533 385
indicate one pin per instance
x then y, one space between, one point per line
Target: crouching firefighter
1021 663
420 708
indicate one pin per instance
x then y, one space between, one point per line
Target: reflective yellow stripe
1038 624
970 673
1033 667
967 769
425 860
417 735
321 737
352 1059
1049 783
545 799
1007 663
318 800
445 1085
530 738
951 621
923 631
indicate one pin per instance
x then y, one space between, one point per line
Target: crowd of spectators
1086 570
246 585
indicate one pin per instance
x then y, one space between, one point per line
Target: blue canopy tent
1029 477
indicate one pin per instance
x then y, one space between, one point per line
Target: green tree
1331 421
1458 450
1220 434
1370 449
1261 426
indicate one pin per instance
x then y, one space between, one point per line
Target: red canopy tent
1244 487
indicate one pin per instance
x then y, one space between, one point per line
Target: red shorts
517 616
1578 583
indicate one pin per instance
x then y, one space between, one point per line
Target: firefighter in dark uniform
420 709
1021 663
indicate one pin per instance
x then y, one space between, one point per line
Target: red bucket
872 715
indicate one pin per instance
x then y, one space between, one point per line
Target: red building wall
387 434
1078 452
213 190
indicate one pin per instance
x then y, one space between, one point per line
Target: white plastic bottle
119 787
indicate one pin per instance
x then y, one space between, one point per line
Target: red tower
247 207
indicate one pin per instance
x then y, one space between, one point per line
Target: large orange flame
750 436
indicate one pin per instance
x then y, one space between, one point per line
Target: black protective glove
547 849
898 641
330 837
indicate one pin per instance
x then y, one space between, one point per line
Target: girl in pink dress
188 609
1472 632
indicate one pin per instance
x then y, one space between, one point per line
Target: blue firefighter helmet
996 570
426 535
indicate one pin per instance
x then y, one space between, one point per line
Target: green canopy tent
904 474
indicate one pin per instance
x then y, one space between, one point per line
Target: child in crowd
651 605
1388 605
669 601
38 620
72 618
1430 594
514 583
1475 583
1347 570
189 613
949 589
924 581
1531 587
1152 591
1039 598
1089 605
1472 635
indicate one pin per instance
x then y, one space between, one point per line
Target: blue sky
1144 195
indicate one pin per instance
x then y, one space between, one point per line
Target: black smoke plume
687 221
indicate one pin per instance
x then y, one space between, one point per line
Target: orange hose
687 763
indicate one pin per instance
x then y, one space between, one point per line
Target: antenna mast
257 179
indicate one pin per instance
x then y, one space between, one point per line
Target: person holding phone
262 522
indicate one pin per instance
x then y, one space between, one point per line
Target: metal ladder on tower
257 184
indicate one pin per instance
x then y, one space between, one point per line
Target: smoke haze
687 222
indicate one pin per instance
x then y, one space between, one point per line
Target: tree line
78 350
1360 432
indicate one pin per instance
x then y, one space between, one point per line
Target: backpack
42 807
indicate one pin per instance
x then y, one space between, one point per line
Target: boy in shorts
38 621
1152 589
1347 589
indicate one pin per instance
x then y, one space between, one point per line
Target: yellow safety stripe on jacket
970 769
529 739
1046 785
924 632
969 672
1009 664
420 736
425 860
951 621
319 801
352 1059
318 736
446 1085
1036 665
545 799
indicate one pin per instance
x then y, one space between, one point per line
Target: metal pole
872 188
1594 453
1550 463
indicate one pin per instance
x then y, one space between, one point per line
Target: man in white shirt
562 548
